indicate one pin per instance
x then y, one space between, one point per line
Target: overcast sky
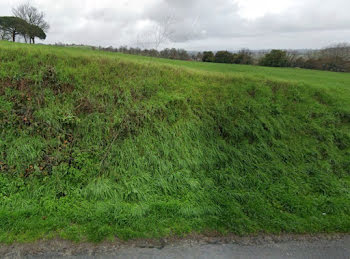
196 24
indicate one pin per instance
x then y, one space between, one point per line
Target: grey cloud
311 16
197 24
220 19
195 19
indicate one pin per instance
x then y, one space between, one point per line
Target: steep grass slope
94 146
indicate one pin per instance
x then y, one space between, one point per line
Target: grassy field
97 145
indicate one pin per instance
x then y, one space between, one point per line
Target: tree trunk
14 36
33 40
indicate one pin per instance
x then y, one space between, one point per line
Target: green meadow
97 145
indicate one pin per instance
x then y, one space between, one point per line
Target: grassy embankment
96 145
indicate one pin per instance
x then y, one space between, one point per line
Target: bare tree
163 31
292 56
158 35
31 15
340 50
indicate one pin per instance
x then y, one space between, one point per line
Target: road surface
314 247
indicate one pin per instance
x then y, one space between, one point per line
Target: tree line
27 22
334 58
179 54
244 56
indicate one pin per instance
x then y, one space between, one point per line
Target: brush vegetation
97 145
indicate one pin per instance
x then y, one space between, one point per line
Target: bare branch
31 15
158 35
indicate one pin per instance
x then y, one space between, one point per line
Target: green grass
95 145
295 75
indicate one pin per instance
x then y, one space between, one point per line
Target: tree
224 57
33 32
4 35
199 56
32 16
165 53
341 50
13 26
208 56
183 55
276 58
292 57
244 56
335 58
300 62
159 34
173 53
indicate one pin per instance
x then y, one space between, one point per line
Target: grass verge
96 145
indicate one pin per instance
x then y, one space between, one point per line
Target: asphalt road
315 248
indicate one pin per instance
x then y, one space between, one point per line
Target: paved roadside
321 247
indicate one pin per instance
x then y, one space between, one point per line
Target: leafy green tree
13 26
276 58
33 32
224 57
208 56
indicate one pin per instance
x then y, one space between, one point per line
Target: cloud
309 16
197 24
197 19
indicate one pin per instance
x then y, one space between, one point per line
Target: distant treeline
173 53
334 58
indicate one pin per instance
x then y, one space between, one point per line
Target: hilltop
96 145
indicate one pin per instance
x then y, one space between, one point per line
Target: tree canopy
35 32
276 58
12 26
223 57
208 56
